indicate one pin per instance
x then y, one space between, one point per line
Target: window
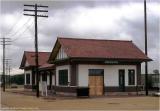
131 77
96 72
63 77
44 77
33 77
27 78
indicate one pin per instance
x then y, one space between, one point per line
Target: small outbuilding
100 65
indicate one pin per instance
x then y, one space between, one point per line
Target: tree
17 79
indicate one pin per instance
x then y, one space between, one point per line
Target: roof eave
100 59
119 59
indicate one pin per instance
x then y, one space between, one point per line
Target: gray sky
107 19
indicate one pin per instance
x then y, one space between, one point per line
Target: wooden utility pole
5 41
145 33
36 37
7 62
9 76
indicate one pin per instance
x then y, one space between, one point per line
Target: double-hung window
131 77
27 78
63 77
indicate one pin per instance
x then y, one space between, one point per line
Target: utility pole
5 41
146 53
9 76
7 62
36 36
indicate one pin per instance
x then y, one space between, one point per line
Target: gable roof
29 57
46 66
93 48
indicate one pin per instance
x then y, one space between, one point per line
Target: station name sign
110 62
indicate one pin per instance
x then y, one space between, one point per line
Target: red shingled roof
29 58
47 65
93 48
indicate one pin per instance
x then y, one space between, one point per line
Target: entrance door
99 85
92 85
122 80
96 82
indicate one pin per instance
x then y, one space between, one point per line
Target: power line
30 29
27 27
19 28
12 27
22 33
5 41
36 15
27 36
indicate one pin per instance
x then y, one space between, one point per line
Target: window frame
28 81
95 72
61 81
131 77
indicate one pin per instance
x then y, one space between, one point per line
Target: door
95 85
122 80
99 85
92 85
96 82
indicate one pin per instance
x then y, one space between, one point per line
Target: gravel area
18 101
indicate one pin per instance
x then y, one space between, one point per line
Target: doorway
122 80
96 82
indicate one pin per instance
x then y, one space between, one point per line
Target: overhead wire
27 28
14 32
14 25
12 35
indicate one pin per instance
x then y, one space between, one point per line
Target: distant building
153 81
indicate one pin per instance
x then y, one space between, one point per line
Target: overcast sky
107 19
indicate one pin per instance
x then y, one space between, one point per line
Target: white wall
28 72
110 74
26 64
40 82
62 68
53 80
48 80
61 54
40 78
